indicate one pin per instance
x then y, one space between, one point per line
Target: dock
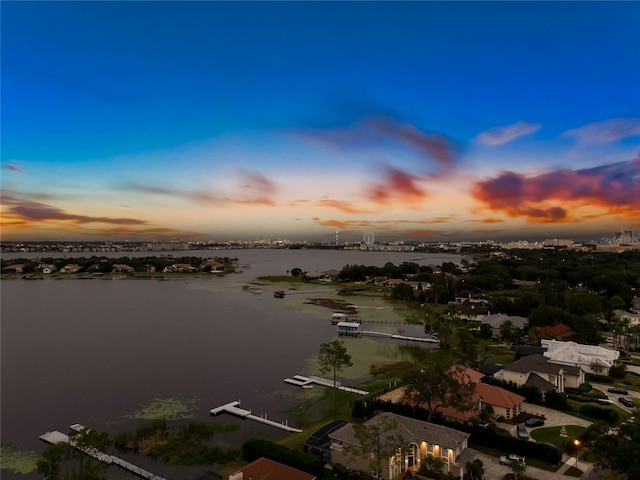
305 382
59 437
234 409
373 333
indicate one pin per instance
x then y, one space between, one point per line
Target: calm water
95 351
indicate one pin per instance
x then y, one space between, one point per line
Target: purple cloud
501 135
607 131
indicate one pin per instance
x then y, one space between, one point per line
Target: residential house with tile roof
412 440
496 320
559 331
590 358
265 469
559 376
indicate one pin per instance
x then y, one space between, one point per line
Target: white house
590 358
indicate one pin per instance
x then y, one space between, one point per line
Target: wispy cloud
257 182
254 189
381 132
501 135
341 205
30 211
607 131
550 197
13 167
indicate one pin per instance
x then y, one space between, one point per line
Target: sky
416 121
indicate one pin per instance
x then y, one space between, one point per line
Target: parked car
620 391
506 459
627 402
534 422
522 431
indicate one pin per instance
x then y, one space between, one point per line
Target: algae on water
18 461
174 408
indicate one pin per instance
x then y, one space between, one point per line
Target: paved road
613 397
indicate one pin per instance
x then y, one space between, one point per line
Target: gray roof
409 429
540 383
497 319
540 363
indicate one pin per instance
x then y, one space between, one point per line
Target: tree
444 327
517 469
473 470
378 440
508 331
467 348
334 357
49 464
85 440
439 385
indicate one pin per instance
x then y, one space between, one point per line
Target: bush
343 473
606 414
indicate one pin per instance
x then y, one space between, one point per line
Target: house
524 370
212 264
503 402
590 358
559 331
47 268
635 304
631 317
70 268
180 268
122 268
265 469
496 320
420 440
15 268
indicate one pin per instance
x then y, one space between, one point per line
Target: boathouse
349 329
338 317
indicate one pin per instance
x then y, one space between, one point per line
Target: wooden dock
373 333
59 437
234 409
303 382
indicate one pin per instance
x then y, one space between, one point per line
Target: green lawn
552 435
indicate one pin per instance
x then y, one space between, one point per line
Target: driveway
494 471
554 418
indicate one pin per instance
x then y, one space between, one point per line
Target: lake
99 351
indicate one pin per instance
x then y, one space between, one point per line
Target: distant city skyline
418 121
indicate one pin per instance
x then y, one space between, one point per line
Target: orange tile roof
265 469
466 375
494 395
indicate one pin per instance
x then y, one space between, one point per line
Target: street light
576 442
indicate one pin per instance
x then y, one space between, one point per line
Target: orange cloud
398 185
252 201
343 206
550 197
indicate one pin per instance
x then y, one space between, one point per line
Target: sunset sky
421 121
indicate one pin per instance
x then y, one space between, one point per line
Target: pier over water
59 437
